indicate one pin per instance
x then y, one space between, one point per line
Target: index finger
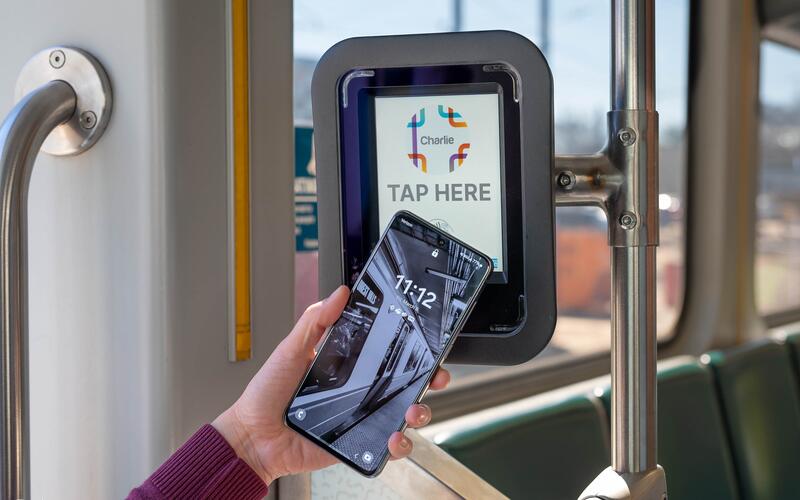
441 379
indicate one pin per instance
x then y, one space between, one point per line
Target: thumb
277 378
300 342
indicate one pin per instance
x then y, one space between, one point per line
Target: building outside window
778 203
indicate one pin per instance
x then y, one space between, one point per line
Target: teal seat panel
692 443
793 341
550 452
758 391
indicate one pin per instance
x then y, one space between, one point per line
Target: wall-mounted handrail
64 102
21 136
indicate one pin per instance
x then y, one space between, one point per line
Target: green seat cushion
759 398
692 445
552 451
793 341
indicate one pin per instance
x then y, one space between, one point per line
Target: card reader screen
439 156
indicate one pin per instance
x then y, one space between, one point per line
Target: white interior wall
128 257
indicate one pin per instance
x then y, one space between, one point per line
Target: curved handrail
21 136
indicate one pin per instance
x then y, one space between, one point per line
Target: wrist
235 433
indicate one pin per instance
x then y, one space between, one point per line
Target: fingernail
405 443
425 416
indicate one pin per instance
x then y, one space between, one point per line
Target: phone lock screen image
377 359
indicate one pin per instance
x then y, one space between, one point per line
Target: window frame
480 391
782 317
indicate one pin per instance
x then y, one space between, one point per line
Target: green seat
550 452
793 341
760 403
692 445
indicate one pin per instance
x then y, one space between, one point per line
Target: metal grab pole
633 420
623 180
21 137
63 107
633 56
633 269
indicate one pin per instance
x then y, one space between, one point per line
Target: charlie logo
443 141
451 116
440 144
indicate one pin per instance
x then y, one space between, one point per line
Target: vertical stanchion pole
633 431
623 180
633 266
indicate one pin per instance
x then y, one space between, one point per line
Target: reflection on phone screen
384 348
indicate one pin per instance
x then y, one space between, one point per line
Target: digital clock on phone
410 288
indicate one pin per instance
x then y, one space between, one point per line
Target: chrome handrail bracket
91 85
63 110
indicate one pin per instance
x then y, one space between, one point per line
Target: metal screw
627 220
88 120
627 136
57 59
566 180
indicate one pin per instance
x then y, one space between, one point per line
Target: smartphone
405 310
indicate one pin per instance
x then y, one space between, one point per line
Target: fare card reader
458 129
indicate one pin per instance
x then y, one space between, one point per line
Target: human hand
254 426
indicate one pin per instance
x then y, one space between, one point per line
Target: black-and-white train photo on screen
380 353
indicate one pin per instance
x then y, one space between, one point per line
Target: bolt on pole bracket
621 179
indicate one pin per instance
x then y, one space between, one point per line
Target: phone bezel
456 330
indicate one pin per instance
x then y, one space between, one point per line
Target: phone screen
403 313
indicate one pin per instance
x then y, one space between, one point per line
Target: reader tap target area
406 123
439 156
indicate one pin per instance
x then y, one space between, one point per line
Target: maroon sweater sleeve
204 467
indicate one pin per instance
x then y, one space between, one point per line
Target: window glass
575 37
778 204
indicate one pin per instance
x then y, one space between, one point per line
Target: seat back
759 398
793 341
692 443
549 451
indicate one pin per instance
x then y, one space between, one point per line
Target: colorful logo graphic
422 144
451 116
419 159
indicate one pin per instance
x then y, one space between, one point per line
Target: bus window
575 37
778 204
